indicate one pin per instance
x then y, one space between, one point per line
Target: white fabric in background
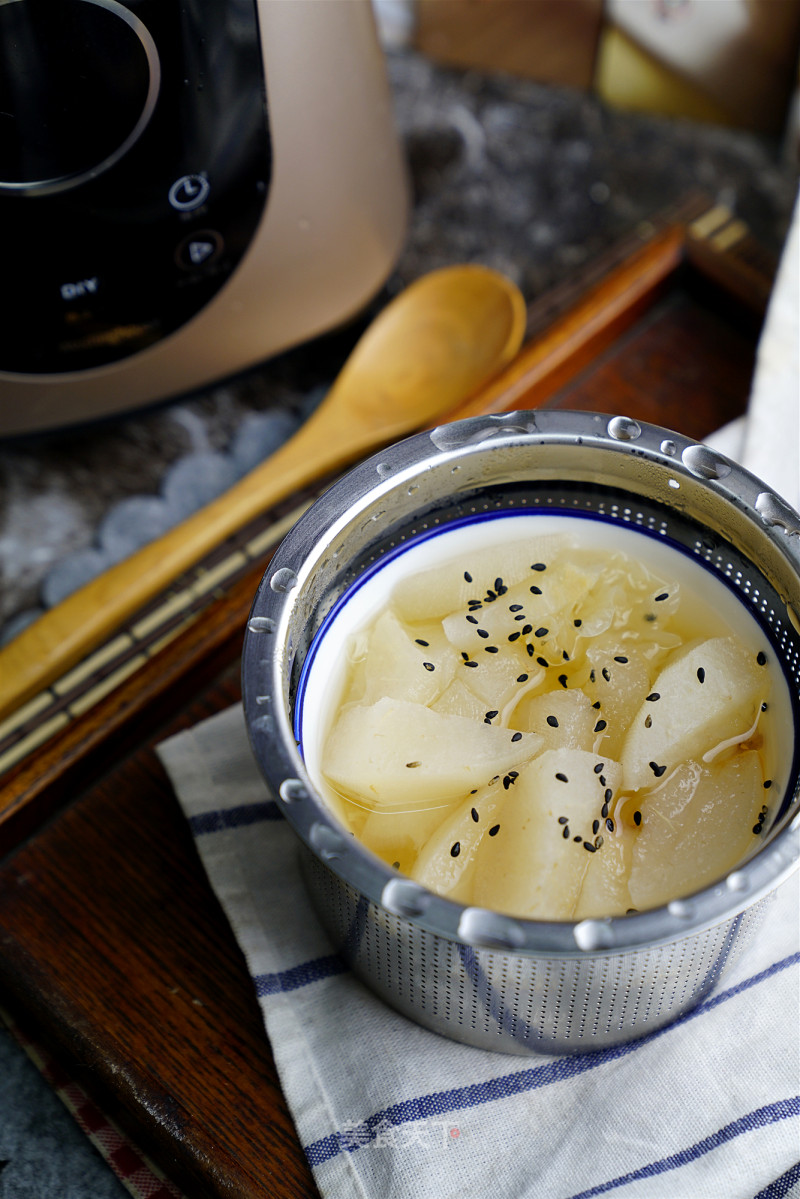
707 1109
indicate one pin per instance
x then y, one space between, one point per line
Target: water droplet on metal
413 489
292 791
674 484
490 930
681 908
737 881
404 898
705 463
774 511
593 934
328 842
623 428
261 624
263 724
669 448
283 580
264 701
384 470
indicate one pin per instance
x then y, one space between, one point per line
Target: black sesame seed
474 791
520 616
648 722
541 631
429 665
761 658
491 649
565 833
656 769
515 607
490 597
562 678
595 826
527 628
599 767
486 720
591 675
608 795
605 674
601 724
652 697
513 636
474 605
542 661
517 737
491 715
552 721
472 619
577 623
530 650
470 663
482 633
455 849
577 840
474 814
563 819
513 774
650 616
507 781
562 778
411 765
465 655
701 675
664 595
494 830
590 848
467 576
637 818
535 590
522 678
539 566
598 841
764 707
604 810
499 585
395 865
767 784
419 641
757 828
565 655
597 705
610 825
620 658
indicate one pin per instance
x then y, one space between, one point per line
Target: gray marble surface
531 180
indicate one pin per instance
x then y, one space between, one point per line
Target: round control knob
78 83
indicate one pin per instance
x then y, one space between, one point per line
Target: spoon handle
62 636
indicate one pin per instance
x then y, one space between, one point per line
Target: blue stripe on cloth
784 1109
474 1094
299 976
244 814
781 1186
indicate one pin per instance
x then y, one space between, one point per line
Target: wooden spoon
435 345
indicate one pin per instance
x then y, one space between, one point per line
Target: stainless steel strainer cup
490 980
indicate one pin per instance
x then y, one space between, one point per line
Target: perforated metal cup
487 979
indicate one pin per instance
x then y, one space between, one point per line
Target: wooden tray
115 953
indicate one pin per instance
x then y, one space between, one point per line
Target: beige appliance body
212 288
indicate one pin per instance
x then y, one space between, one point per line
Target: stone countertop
528 179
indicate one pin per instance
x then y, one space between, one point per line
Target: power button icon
188 192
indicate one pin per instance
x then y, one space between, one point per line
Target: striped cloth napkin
705 1109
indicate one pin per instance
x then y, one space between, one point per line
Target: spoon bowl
437 344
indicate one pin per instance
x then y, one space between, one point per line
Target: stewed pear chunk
394 754
535 864
695 828
707 695
394 660
447 861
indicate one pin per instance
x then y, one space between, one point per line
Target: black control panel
135 165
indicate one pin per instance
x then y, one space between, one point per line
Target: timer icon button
188 192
